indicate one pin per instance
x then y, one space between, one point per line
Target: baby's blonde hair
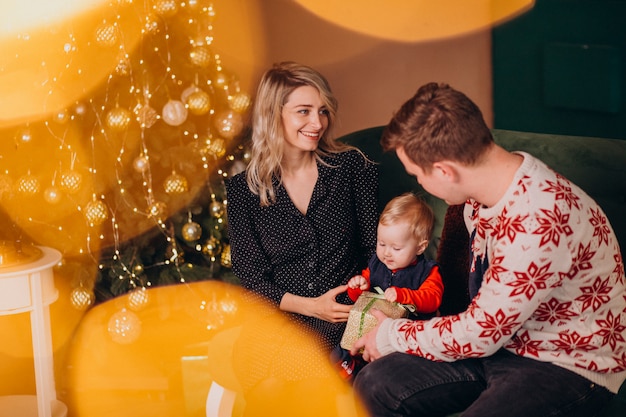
411 209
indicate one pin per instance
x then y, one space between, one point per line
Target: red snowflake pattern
600 227
552 226
553 311
495 269
570 342
523 345
509 226
619 266
457 351
596 295
410 329
581 262
482 227
419 352
445 324
611 330
498 326
621 363
530 281
563 191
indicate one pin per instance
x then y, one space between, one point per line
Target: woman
302 217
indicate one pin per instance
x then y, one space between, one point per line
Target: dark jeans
500 385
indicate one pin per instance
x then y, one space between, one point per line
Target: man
545 332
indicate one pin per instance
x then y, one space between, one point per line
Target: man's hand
367 343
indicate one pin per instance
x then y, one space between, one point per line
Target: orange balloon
201 349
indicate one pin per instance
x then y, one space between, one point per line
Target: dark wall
561 68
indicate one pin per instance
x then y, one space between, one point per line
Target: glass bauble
191 231
96 212
216 208
141 164
166 8
175 184
239 102
107 35
70 181
28 185
200 56
228 123
124 327
138 298
174 113
81 298
212 247
199 102
118 119
52 195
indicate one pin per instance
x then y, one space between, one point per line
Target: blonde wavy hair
267 129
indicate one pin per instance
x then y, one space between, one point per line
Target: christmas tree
127 179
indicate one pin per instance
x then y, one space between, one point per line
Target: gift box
361 321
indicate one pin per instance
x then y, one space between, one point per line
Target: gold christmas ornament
174 113
165 8
81 298
216 208
96 212
141 164
225 260
212 247
70 181
215 147
191 231
228 123
138 298
239 102
28 185
199 102
124 327
118 119
200 56
52 195
146 115
157 210
175 184
107 35
138 269
151 23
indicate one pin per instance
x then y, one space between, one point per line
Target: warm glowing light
415 20
193 349
19 15
51 56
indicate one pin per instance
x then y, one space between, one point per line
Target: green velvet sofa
597 165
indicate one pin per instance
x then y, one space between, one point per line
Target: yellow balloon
415 20
197 349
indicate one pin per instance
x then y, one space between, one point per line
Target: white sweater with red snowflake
553 286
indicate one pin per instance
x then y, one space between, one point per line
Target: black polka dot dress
277 249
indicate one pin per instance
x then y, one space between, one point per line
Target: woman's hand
324 307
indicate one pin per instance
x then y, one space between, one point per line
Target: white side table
29 287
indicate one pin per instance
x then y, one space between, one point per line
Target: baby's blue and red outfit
419 284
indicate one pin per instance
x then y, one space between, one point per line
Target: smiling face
304 118
396 246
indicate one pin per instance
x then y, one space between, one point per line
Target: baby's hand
391 294
358 281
